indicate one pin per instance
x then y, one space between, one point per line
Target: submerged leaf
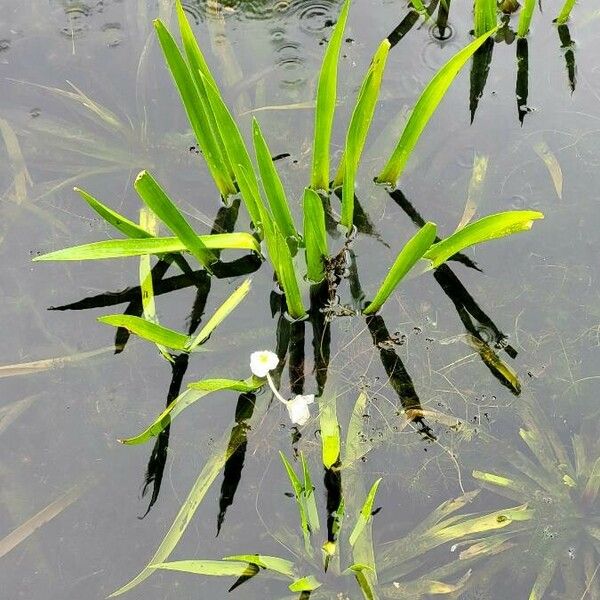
330 432
365 515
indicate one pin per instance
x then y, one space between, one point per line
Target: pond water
483 353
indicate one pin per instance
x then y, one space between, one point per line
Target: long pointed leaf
315 235
412 251
163 207
326 99
195 392
488 228
365 515
424 109
138 247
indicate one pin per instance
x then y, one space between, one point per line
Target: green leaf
358 129
365 515
195 391
218 568
308 497
525 17
484 16
367 589
195 109
149 222
272 184
412 251
220 315
326 99
306 584
272 563
488 228
162 206
315 235
565 12
424 109
330 432
148 330
286 275
298 494
138 247
197 64
226 447
236 149
119 222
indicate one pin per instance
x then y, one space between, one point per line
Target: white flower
262 362
298 408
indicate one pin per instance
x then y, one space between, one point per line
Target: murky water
482 352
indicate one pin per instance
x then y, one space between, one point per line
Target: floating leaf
148 331
219 315
118 221
138 247
306 584
217 568
412 251
489 228
272 563
196 391
326 99
424 109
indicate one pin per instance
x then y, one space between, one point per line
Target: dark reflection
568 47
335 503
296 353
361 220
158 458
358 296
321 330
238 443
482 330
441 30
402 201
251 571
399 378
522 88
480 68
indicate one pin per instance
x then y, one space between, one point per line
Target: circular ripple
291 64
77 15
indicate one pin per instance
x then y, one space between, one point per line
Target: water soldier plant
294 256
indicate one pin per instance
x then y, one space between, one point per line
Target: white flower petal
262 362
298 408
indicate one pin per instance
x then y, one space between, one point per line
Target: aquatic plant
559 484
